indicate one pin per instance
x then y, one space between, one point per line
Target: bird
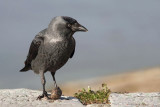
52 47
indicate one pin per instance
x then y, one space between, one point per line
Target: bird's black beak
78 27
82 28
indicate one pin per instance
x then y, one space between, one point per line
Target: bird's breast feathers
54 40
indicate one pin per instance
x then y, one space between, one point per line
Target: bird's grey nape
58 26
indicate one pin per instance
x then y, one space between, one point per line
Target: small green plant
90 96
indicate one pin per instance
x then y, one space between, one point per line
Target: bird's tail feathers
26 68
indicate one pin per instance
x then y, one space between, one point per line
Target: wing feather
74 43
33 50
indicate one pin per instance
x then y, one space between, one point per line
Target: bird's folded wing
74 43
33 51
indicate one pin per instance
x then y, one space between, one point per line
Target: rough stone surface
135 100
27 98
98 105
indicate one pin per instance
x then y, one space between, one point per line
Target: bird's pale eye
68 25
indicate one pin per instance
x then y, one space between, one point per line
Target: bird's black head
73 25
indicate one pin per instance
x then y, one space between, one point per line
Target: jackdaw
52 47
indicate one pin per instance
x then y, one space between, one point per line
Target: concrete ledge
135 99
27 98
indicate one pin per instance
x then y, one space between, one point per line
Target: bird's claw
44 95
40 97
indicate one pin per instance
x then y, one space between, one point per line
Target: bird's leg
43 81
55 84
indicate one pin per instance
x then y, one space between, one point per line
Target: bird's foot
44 95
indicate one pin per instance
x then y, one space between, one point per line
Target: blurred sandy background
144 80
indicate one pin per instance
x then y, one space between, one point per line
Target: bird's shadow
67 98
64 97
